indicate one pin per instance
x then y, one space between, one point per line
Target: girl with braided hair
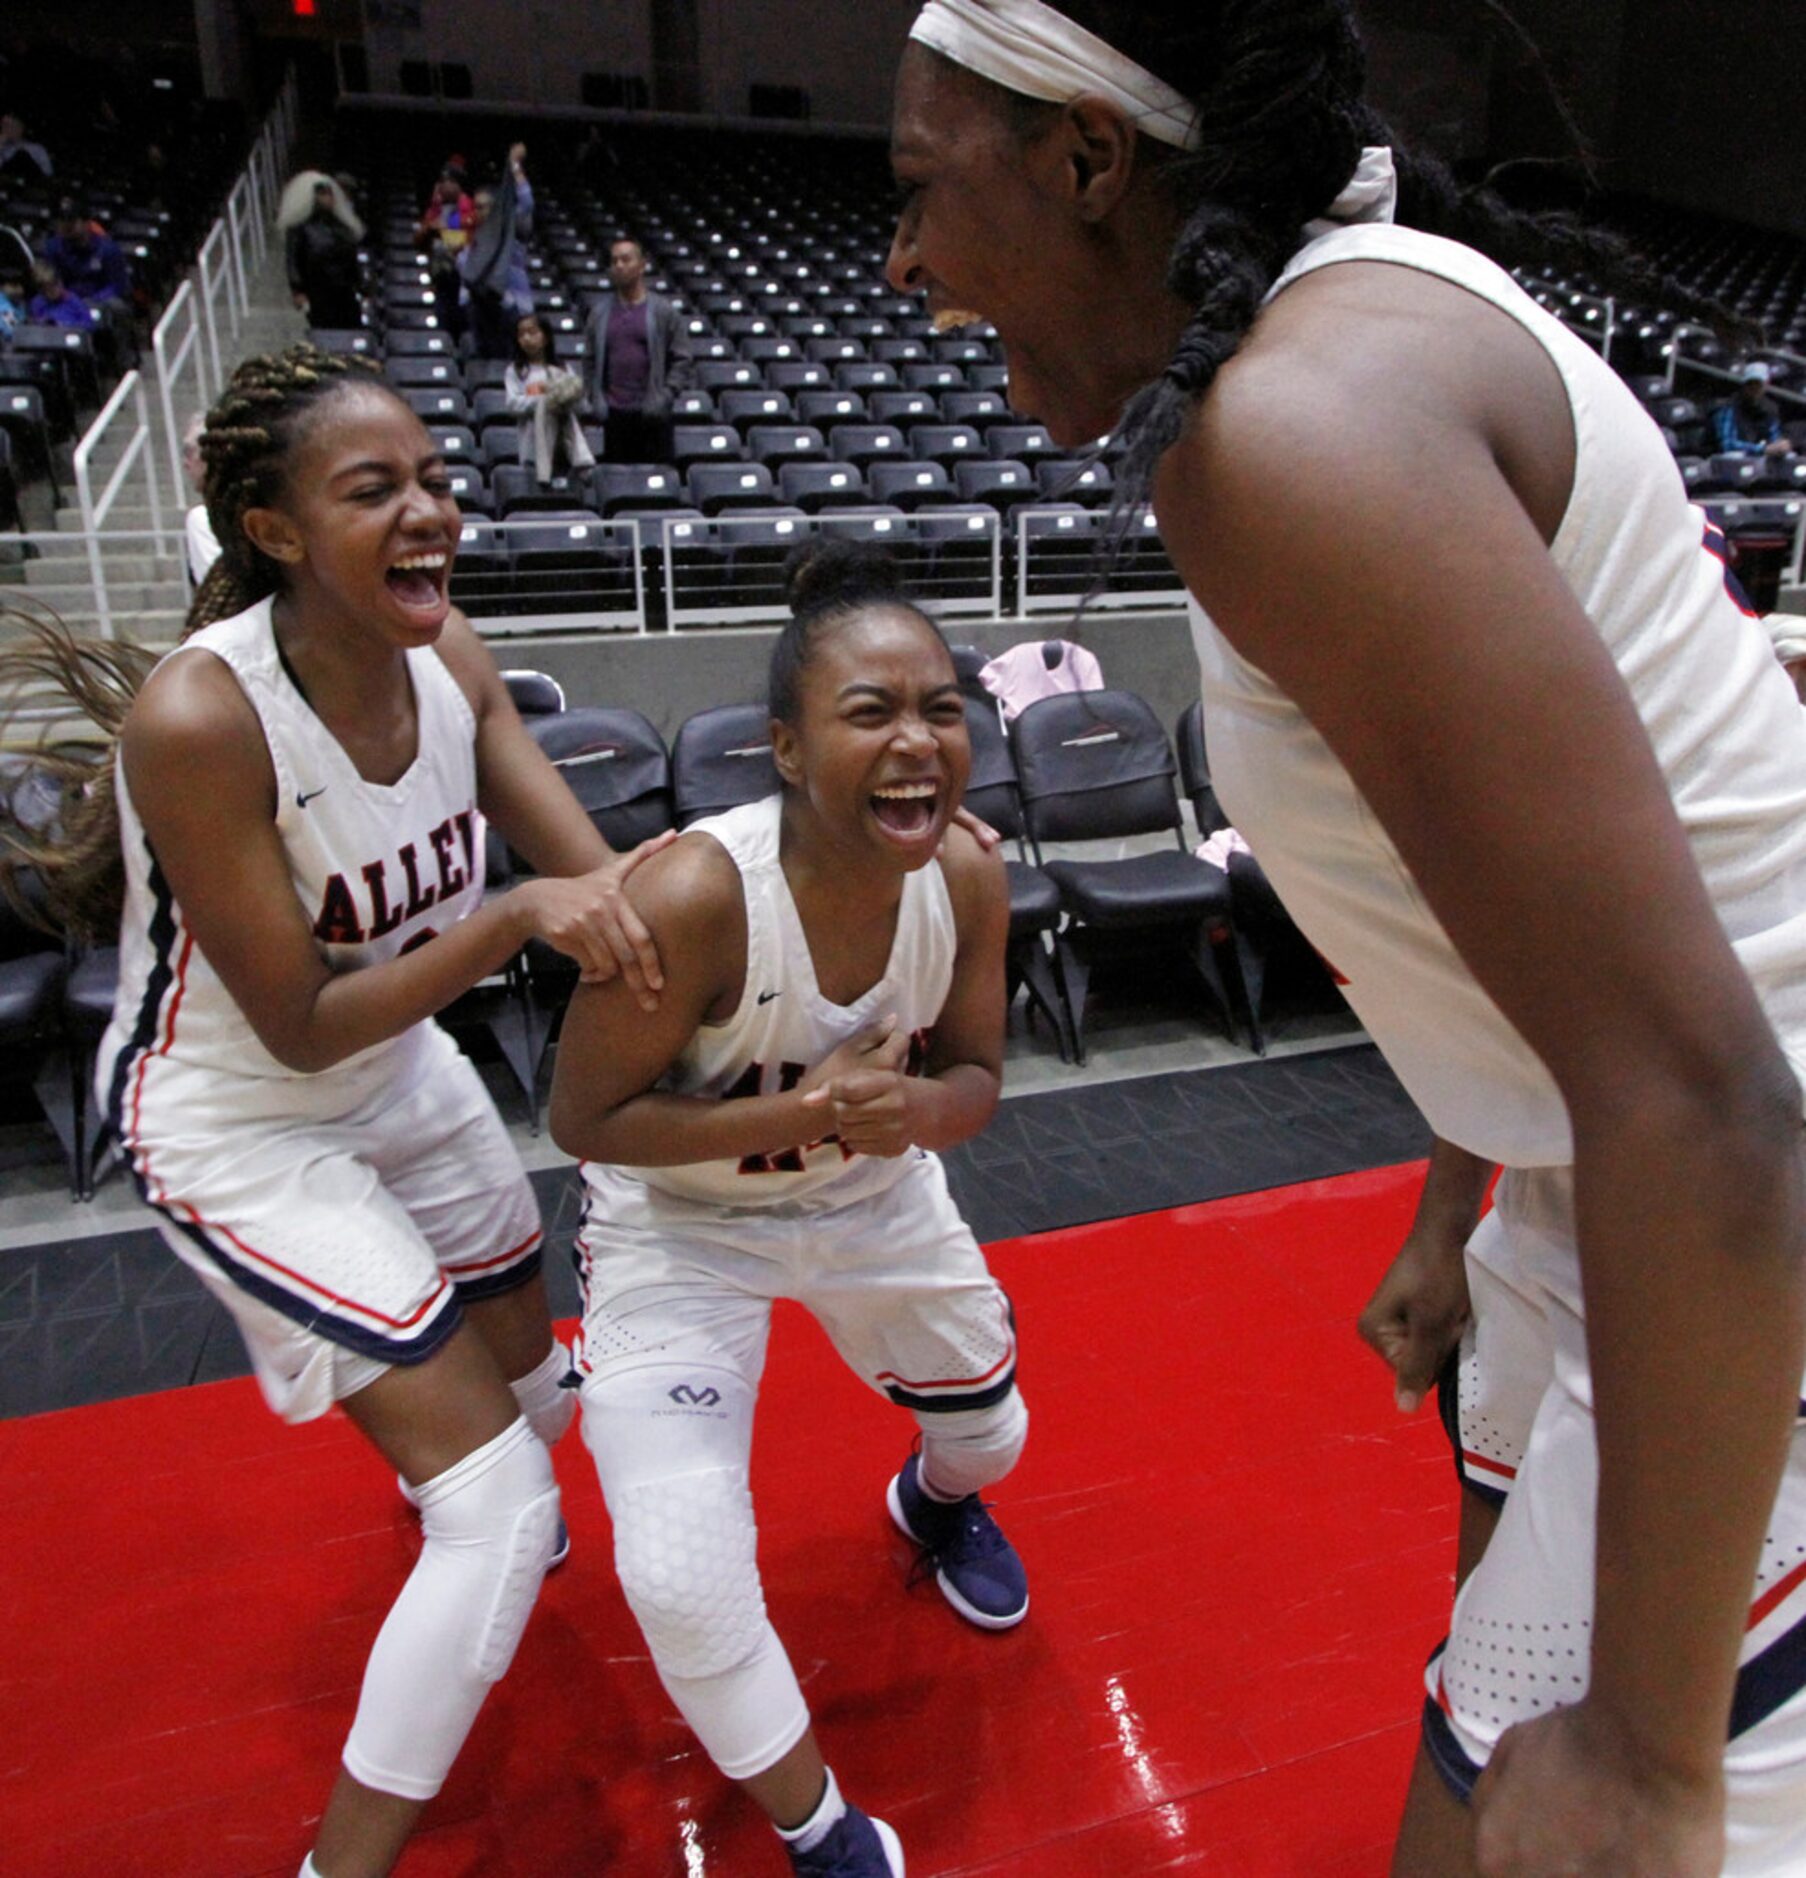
299 801
1482 697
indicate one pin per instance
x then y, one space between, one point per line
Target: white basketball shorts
1519 1641
342 1245
896 1279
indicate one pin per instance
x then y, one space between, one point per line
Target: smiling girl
300 797
832 1014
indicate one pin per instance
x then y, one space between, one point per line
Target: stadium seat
721 758
778 444
1094 766
866 444
717 487
909 485
812 487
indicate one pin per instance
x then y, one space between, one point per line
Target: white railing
1061 558
136 451
176 345
536 574
728 570
239 220
260 200
213 269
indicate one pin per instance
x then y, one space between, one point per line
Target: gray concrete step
123 596
53 568
122 517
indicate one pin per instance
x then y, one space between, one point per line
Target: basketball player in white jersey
832 1013
1504 737
302 789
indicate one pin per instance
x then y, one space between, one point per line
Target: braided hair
1277 89
828 581
64 864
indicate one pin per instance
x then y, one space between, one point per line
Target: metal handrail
237 218
1063 599
170 365
94 513
213 268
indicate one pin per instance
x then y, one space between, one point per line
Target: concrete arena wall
671 676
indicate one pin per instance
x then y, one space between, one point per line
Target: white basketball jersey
1721 715
378 867
784 1026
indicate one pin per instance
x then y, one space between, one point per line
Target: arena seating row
1086 767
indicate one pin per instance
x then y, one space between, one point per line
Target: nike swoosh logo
301 801
765 997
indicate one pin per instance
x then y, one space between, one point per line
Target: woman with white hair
321 236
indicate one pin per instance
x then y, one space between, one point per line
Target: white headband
1029 48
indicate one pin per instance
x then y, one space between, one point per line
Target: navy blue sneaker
859 1847
975 1566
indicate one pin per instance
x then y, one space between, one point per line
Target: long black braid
68 860
1277 87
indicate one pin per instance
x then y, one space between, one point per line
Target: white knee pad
489 1524
544 1399
671 1446
973 1449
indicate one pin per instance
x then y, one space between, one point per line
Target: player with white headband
1482 695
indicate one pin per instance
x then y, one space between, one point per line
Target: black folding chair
1096 765
1036 956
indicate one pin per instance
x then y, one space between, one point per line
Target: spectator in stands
18 155
324 274
93 267
90 261
12 311
442 231
639 359
1750 423
54 305
498 291
545 395
198 539
448 216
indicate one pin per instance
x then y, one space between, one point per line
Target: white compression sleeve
489 1524
972 1449
543 1399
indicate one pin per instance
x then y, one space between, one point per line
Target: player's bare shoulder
977 880
192 716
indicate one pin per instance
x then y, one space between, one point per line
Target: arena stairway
147 588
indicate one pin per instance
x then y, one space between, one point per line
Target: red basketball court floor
1239 1557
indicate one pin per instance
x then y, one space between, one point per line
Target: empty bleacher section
823 399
